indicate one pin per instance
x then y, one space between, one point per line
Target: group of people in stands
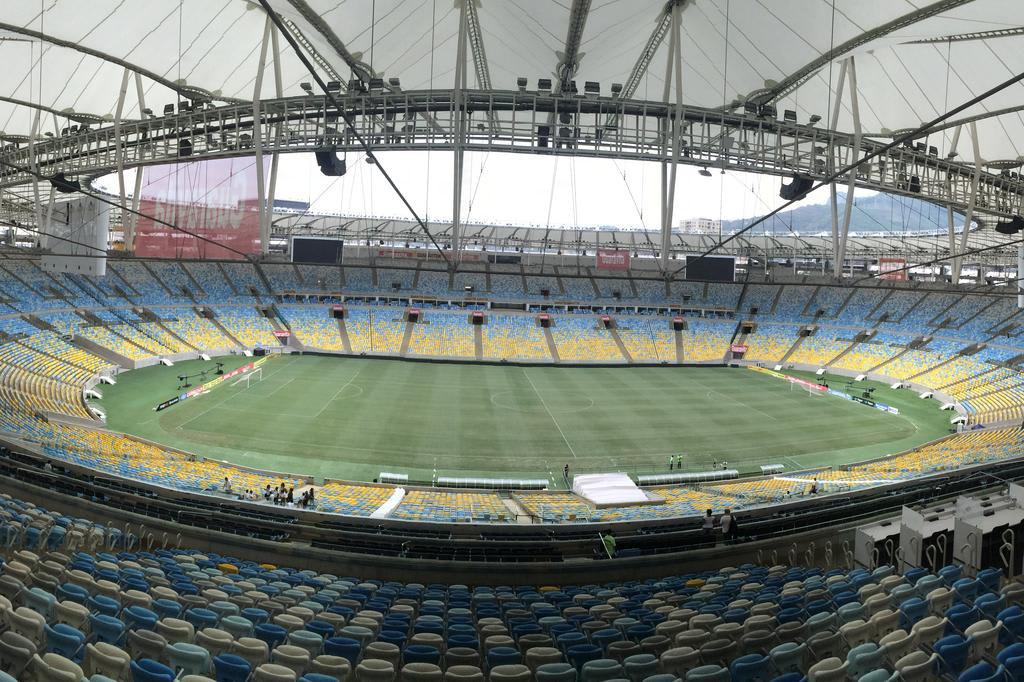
285 496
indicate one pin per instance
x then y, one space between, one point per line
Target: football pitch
351 418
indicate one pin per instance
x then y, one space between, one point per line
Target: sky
522 189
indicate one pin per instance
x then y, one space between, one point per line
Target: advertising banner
282 333
209 385
738 348
887 265
612 259
217 199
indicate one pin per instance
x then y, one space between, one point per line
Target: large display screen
314 250
711 268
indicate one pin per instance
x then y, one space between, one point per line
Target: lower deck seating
82 601
443 334
582 340
514 337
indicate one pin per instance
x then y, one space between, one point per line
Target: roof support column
673 126
958 263
840 83
458 134
950 216
844 230
33 162
257 137
129 225
267 223
119 150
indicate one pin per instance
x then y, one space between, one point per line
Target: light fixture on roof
306 87
1013 226
705 172
814 119
521 82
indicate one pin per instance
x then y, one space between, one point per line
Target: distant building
699 226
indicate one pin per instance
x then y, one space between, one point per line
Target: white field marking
555 421
338 392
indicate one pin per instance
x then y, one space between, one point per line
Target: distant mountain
874 213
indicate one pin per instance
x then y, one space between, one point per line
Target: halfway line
573 452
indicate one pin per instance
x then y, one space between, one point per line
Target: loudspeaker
259 352
414 316
330 164
545 292
545 322
543 133
798 188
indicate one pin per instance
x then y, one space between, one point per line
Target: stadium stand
443 334
314 327
822 347
195 330
508 337
86 602
706 340
580 340
247 325
646 340
770 342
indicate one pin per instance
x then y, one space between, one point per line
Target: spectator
726 522
608 540
708 526
227 484
814 486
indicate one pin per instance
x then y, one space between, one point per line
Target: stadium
390 340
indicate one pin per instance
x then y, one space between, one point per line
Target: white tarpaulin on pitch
608 489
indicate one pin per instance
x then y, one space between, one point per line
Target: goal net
248 378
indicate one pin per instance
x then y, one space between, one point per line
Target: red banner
886 267
216 199
282 333
738 348
612 259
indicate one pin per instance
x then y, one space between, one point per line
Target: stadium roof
914 59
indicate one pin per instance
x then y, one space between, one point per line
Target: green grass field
355 417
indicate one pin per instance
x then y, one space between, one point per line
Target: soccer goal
248 378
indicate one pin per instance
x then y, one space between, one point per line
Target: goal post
249 377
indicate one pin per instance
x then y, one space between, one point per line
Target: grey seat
421 672
556 672
463 673
515 672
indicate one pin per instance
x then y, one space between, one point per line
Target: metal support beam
834 199
133 219
801 75
359 69
265 224
1020 273
570 56
958 263
673 128
950 218
852 185
475 35
459 132
643 61
118 114
257 136
34 165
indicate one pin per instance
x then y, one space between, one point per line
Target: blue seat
568 639
463 641
990 578
65 640
990 604
166 608
421 653
271 634
1013 625
578 654
960 617
104 628
73 592
967 589
604 637
952 651
230 668
317 677
749 668
1012 658
322 628
201 618
255 615
139 618
911 611
100 603
345 647
983 672
392 637
503 655
148 670
950 574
